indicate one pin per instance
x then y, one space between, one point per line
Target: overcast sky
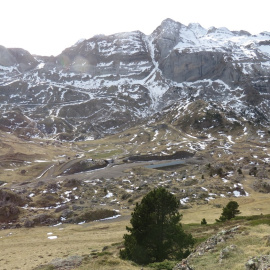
47 27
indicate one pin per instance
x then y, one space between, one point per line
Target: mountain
106 84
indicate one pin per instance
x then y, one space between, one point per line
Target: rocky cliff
108 83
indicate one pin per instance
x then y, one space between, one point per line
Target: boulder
258 263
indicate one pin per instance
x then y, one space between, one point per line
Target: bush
165 265
239 171
253 171
203 222
156 233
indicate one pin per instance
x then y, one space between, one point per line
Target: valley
66 205
85 135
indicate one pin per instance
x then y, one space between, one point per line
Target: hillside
86 134
52 183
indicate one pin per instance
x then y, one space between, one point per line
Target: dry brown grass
255 204
27 248
16 152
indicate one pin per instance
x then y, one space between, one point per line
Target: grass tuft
165 265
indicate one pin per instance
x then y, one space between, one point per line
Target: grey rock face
115 55
20 58
190 67
108 83
6 58
165 37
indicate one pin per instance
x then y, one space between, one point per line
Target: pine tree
203 222
229 211
156 233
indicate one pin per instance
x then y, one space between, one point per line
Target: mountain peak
107 83
194 25
220 30
169 23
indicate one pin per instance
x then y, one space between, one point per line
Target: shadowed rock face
165 37
191 67
20 58
108 83
6 58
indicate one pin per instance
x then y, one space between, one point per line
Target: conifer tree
229 211
156 233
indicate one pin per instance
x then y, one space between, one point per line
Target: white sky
47 27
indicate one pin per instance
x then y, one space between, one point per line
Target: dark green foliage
220 172
253 171
259 222
230 211
103 253
156 233
239 171
256 219
165 265
203 222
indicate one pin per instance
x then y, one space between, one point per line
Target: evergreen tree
229 211
156 233
203 222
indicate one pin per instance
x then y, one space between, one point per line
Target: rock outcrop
10 204
208 246
258 263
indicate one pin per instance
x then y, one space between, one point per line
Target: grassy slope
251 242
28 248
35 248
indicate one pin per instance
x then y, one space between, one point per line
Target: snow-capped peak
79 41
197 29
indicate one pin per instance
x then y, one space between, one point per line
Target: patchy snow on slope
184 200
265 49
109 218
195 38
132 139
155 136
230 139
52 237
109 195
225 180
236 193
40 66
